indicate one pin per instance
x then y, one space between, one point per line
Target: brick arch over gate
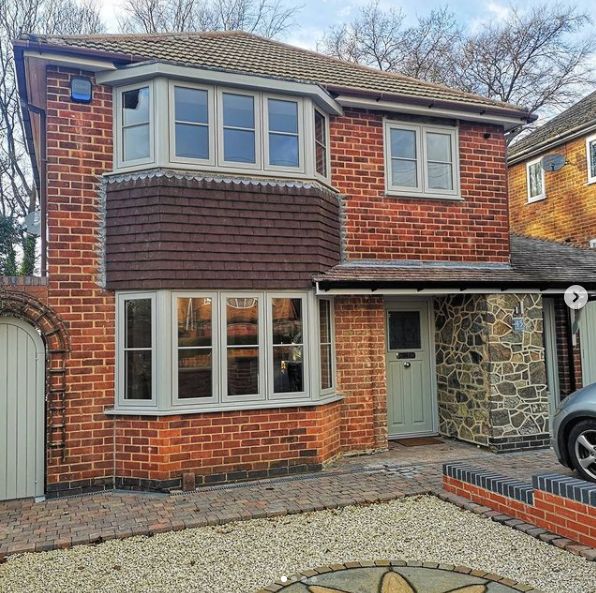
53 332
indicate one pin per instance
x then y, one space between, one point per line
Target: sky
317 16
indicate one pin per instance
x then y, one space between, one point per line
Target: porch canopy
536 265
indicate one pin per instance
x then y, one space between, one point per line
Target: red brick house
560 205
256 258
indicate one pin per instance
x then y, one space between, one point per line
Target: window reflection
288 349
242 333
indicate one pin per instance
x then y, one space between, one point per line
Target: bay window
218 350
231 130
421 160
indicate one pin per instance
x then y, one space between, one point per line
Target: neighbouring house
552 194
256 258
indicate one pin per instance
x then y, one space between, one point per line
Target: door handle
407 365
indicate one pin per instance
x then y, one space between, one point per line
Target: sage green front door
409 371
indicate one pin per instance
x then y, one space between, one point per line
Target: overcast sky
317 16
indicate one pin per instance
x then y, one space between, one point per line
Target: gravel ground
242 557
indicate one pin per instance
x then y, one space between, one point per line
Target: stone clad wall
491 373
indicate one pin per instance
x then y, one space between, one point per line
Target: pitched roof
246 53
579 117
535 263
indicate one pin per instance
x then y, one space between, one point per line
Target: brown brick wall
569 211
182 233
388 227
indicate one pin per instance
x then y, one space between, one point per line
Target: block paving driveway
26 526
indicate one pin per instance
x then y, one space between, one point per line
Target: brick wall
388 227
360 351
569 211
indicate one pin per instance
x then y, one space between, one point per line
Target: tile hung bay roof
535 263
579 117
241 52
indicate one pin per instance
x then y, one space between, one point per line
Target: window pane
239 146
194 321
242 319
439 176
287 369
287 321
192 141
238 111
195 372
283 150
283 116
403 143
136 142
403 173
593 159
135 106
326 369
535 180
243 371
325 321
320 135
191 105
138 323
321 156
137 374
438 147
404 330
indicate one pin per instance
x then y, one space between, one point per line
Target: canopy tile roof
535 263
246 53
579 117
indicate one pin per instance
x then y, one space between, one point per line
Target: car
574 432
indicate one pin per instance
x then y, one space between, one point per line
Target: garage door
22 378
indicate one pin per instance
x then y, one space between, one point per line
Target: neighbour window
137 348
284 145
535 181
136 132
421 160
591 154
222 350
326 344
288 345
320 144
191 123
239 128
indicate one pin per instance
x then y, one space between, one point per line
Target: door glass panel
404 330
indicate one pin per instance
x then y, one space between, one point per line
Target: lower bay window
201 351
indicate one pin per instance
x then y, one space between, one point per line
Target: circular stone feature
395 577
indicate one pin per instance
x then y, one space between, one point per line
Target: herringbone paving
26 526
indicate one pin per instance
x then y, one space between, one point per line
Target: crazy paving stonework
491 374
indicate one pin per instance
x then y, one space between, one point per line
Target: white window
238 115
136 347
135 133
284 125
221 350
321 143
421 161
591 155
192 131
535 181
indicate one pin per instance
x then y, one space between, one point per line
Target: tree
535 58
18 195
269 18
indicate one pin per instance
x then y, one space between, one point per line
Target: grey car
574 432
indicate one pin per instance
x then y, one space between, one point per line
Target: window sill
414 196
536 199
235 407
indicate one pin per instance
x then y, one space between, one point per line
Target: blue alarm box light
80 90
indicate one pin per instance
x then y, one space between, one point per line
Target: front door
22 372
409 371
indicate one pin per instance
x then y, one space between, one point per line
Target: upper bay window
220 129
185 350
421 160
535 181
